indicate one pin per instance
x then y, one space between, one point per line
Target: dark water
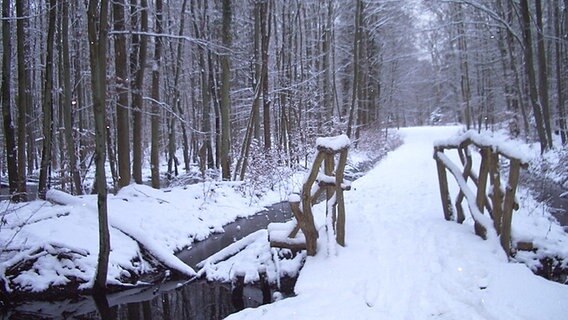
198 299
551 193
172 300
279 212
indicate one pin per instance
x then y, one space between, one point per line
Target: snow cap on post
333 144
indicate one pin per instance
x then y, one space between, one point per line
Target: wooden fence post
497 194
308 227
329 166
340 229
444 191
508 205
481 189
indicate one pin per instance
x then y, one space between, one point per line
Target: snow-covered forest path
404 261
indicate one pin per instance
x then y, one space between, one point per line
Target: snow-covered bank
61 241
46 245
404 261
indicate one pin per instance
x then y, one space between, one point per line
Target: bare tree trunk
206 149
110 153
45 167
326 65
561 84
155 145
542 73
225 104
138 62
68 104
356 48
265 17
177 99
98 36
464 65
9 133
215 100
24 94
529 69
122 112
256 68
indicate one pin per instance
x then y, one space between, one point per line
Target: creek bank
161 285
552 195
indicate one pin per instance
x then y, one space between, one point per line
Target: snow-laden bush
268 171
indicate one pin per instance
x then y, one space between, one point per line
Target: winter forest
219 81
98 95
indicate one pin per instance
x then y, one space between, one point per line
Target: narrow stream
279 212
551 193
197 299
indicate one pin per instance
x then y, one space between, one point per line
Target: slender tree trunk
9 133
46 156
265 17
206 150
225 104
122 112
256 69
68 103
326 65
464 65
356 48
529 69
110 153
98 36
138 63
542 73
177 97
155 144
24 94
561 83
214 94
518 100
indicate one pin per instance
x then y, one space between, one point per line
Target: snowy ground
54 243
61 241
404 261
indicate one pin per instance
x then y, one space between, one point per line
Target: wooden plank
508 205
444 191
291 246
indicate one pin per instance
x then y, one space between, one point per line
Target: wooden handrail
500 203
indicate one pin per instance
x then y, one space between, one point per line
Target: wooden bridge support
331 180
499 204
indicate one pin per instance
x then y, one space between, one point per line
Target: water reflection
172 300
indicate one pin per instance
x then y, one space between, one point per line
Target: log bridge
302 233
499 202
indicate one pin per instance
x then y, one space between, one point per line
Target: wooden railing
329 181
499 202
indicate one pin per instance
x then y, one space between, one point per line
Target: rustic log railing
331 181
497 200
